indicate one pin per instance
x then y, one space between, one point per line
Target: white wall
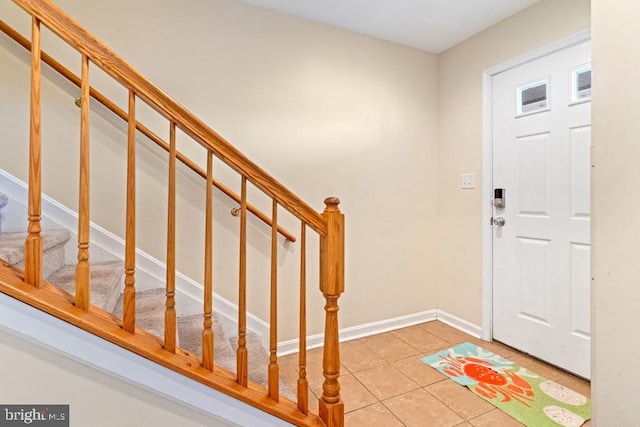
325 111
616 206
460 140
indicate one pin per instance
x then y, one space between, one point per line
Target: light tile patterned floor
383 382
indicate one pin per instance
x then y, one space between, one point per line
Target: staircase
106 294
103 298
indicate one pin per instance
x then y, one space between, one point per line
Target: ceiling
431 25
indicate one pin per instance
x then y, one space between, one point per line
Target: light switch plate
468 181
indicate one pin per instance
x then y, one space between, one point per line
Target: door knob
499 221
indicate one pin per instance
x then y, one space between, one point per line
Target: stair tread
258 363
105 278
150 306
149 303
190 332
12 244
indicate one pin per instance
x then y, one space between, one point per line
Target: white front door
541 160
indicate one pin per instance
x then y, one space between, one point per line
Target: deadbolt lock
499 198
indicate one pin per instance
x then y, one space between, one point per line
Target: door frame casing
487 164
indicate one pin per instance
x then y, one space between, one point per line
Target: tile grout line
453 410
391 412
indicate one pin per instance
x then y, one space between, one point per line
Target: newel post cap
331 204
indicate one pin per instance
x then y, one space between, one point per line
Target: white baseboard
106 244
460 324
360 331
379 327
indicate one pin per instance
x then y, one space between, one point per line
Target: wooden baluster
303 383
83 269
207 332
242 355
33 242
129 304
274 371
331 408
170 310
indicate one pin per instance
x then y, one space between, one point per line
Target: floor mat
526 396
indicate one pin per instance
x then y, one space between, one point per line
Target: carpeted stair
106 293
12 249
105 281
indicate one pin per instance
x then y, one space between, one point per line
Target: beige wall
95 399
616 206
326 111
460 140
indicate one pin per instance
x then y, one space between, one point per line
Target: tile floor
383 382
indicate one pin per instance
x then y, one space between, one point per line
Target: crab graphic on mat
490 383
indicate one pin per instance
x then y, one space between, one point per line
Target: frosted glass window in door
533 97
581 83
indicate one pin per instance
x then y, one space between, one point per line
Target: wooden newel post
331 407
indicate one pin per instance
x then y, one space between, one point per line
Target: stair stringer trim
56 335
109 243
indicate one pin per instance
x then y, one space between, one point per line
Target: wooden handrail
111 63
108 104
